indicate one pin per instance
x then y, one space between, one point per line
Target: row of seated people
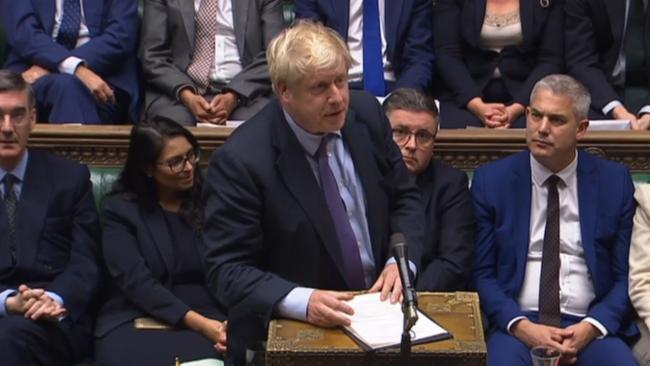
297 208
204 61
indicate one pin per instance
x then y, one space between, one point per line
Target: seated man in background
303 198
553 237
204 61
49 243
391 45
608 50
448 211
79 56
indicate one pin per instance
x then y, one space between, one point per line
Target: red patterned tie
205 28
549 286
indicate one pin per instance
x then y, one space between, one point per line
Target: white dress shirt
355 41
227 62
69 65
576 287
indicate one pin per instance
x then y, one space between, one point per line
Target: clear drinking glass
545 356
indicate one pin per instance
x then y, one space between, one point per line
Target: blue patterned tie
11 204
70 23
373 68
347 240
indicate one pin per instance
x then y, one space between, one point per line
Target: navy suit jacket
449 229
594 38
268 228
466 67
57 238
408 33
139 256
606 204
110 52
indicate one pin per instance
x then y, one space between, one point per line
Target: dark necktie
636 73
344 233
11 203
70 23
549 287
205 28
373 68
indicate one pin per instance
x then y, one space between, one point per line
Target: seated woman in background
490 53
639 283
152 248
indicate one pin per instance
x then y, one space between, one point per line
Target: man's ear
583 126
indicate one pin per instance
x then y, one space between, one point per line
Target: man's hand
492 115
34 73
328 308
223 105
533 335
200 108
389 283
213 330
582 334
100 90
621 112
643 123
512 113
35 304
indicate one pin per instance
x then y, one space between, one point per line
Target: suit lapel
522 183
93 16
302 185
240 14
187 11
527 21
392 16
158 229
588 187
616 11
357 141
32 207
46 10
341 8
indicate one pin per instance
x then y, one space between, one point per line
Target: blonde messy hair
303 49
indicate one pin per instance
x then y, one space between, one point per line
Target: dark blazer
58 239
594 38
268 227
606 203
449 229
168 42
139 256
113 27
466 67
409 42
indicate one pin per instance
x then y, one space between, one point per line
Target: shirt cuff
3 300
183 87
294 304
412 266
512 322
610 106
69 65
598 326
644 110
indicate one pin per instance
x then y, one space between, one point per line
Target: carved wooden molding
464 149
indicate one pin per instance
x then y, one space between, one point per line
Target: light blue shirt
19 173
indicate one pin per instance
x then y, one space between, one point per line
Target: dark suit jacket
113 26
449 229
466 67
407 31
268 227
594 37
606 204
168 42
58 239
139 256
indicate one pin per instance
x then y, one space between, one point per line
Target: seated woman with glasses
158 306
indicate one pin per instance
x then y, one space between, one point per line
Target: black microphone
400 252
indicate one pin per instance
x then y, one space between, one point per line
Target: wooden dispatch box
297 343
